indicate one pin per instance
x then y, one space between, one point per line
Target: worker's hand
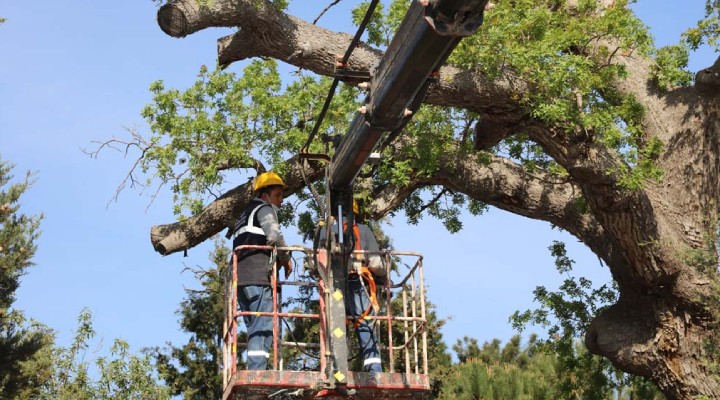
287 264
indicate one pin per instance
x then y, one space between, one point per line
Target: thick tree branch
266 32
221 213
640 85
509 186
180 18
665 110
295 42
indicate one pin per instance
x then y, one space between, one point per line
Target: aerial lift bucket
402 337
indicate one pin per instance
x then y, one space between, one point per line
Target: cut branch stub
172 20
488 133
183 17
221 213
708 80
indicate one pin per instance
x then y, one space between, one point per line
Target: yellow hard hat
356 209
268 179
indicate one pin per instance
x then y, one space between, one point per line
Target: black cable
361 29
346 57
292 334
331 94
329 97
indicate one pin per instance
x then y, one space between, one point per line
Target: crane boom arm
427 35
424 40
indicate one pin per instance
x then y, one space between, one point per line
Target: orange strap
356 233
366 275
372 289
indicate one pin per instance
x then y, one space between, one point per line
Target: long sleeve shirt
270 225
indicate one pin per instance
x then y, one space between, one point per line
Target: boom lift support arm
426 37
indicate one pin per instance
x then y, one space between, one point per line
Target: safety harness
365 274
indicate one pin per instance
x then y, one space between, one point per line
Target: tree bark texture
659 326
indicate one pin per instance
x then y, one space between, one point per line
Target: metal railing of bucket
405 332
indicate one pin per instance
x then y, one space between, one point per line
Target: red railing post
273 282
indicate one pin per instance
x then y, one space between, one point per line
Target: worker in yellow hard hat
258 225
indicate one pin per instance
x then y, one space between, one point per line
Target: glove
287 264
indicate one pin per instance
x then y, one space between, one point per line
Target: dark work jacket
253 264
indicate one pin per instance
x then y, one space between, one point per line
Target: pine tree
192 370
493 372
22 344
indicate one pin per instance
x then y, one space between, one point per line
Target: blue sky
75 72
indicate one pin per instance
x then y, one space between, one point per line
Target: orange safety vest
366 275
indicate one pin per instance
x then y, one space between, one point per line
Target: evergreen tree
22 344
495 373
192 370
31 365
18 234
467 349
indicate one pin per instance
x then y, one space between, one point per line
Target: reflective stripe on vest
250 227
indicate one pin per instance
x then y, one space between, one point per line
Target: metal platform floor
256 385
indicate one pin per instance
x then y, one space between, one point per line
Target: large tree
577 120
